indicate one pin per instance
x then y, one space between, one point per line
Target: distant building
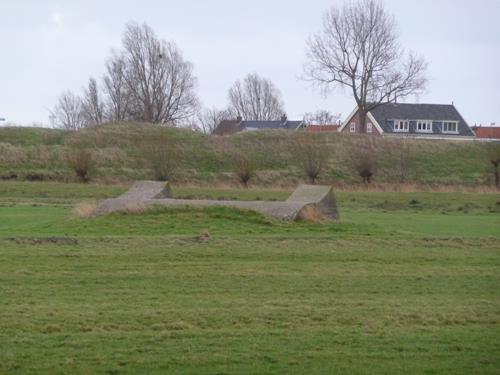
323 128
226 127
411 120
487 132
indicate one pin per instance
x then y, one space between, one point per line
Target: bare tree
256 98
359 49
116 90
68 112
210 118
310 155
321 117
92 105
160 81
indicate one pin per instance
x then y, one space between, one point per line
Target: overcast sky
49 46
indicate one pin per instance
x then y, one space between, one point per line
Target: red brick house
411 120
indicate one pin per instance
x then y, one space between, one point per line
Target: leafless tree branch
359 49
256 98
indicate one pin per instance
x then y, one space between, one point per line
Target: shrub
493 150
310 155
163 156
244 167
82 163
364 158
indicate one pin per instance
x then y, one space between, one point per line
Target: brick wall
355 120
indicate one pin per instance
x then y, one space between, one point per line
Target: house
322 128
412 120
487 132
226 127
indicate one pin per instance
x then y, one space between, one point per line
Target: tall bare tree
359 49
68 112
92 105
160 81
321 117
210 118
116 90
256 98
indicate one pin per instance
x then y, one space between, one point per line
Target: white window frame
369 127
428 126
400 128
352 127
450 131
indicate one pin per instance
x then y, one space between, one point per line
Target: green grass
119 155
405 282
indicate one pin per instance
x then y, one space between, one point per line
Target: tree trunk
362 121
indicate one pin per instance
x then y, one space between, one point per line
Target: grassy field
404 282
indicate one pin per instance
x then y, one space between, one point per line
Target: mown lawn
405 282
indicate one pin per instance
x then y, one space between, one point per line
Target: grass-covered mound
122 152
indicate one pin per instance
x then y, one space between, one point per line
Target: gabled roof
385 114
406 111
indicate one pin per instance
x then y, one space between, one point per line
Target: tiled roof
323 128
386 113
228 127
492 132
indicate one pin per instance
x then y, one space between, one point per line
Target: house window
352 128
369 127
450 127
401 125
424 126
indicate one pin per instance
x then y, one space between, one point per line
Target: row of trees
149 80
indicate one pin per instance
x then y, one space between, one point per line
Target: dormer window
450 127
401 125
424 126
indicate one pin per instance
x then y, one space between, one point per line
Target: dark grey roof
386 113
234 126
228 127
288 125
